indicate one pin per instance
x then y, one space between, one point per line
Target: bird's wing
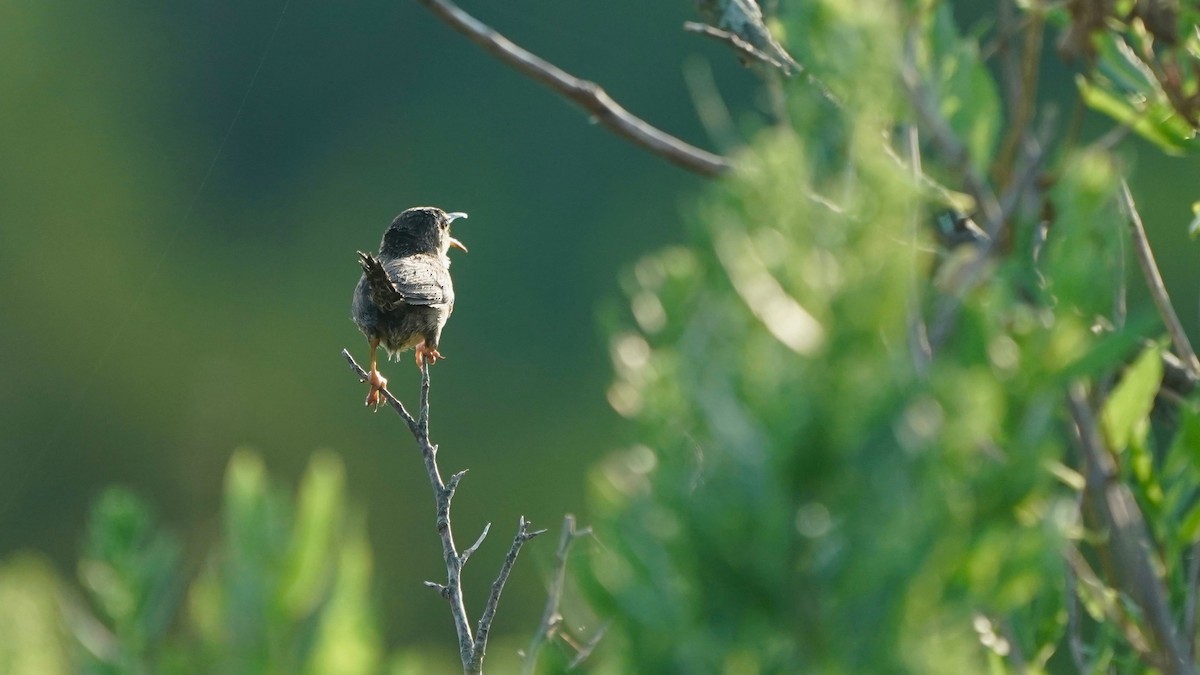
421 279
412 280
380 288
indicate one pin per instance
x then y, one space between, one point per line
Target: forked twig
489 610
551 615
471 647
738 44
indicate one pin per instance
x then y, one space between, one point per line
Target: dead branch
747 50
583 93
471 648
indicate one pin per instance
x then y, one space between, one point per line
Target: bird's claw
375 393
427 353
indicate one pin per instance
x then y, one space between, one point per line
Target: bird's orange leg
427 353
376 381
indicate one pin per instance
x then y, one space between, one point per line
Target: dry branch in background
742 25
583 93
471 646
1154 282
1125 548
748 51
551 625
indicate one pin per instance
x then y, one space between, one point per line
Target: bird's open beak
454 242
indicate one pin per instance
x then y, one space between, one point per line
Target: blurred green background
162 308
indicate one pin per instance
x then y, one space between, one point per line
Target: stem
470 647
583 93
1154 281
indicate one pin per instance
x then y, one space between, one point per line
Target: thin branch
1121 285
551 616
953 150
585 650
1126 549
919 348
1189 608
474 547
1154 282
470 647
489 611
1074 624
1111 603
583 93
739 45
1020 75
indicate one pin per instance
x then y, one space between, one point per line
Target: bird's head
422 229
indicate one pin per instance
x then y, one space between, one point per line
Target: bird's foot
375 394
427 353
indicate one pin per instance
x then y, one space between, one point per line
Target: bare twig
585 650
583 93
919 348
1154 282
1020 75
551 616
474 547
1189 608
1127 547
489 610
470 647
1116 611
1074 624
739 45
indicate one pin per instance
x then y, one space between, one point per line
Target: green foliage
807 493
285 590
290 593
130 569
1143 66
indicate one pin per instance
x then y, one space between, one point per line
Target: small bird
405 294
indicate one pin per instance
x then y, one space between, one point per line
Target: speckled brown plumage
405 295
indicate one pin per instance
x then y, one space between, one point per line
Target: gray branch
1125 548
747 50
551 615
1154 281
470 647
489 611
583 93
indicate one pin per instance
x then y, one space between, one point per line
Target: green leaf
968 95
1189 531
1128 406
1151 119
